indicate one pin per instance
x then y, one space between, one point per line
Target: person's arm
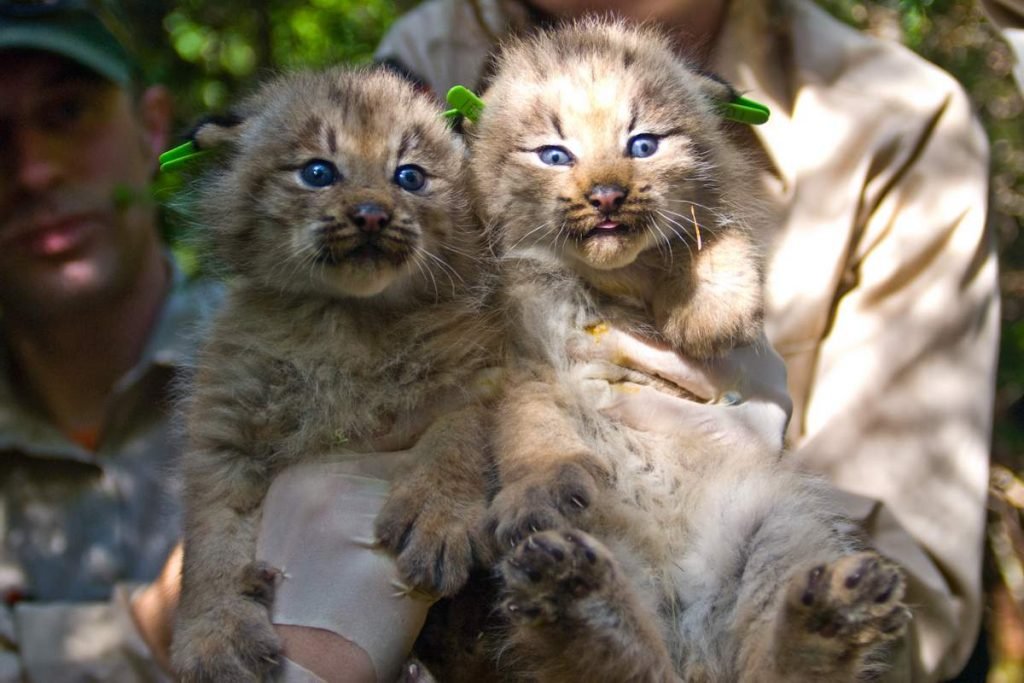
1008 16
69 641
899 407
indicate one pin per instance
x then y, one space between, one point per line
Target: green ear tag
177 157
745 110
465 102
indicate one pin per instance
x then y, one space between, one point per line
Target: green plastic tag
176 157
745 110
465 102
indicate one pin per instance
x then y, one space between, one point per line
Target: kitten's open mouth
608 228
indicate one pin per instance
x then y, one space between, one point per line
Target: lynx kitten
613 192
357 299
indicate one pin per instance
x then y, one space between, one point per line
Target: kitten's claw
550 571
432 539
558 500
233 642
841 613
369 542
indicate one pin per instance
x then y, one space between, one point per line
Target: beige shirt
882 290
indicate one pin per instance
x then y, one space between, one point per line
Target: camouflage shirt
77 524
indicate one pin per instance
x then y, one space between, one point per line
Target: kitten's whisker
689 201
445 268
665 243
722 219
565 233
470 256
444 265
425 268
539 227
672 226
706 227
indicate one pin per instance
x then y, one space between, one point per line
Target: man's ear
216 130
155 113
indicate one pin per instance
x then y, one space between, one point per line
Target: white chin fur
364 282
607 253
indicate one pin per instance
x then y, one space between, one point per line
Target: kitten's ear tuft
716 88
216 130
730 104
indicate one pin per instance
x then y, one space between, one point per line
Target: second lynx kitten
357 303
640 556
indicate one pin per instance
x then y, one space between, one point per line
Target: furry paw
558 500
840 612
232 639
550 571
701 334
720 305
433 536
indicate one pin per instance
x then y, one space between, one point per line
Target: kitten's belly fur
691 518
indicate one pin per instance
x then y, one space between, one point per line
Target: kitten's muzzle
369 217
607 198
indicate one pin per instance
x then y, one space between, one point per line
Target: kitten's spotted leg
223 631
432 521
574 616
839 621
549 478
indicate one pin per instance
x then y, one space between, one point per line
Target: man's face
71 141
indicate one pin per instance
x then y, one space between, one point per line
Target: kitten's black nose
606 198
369 217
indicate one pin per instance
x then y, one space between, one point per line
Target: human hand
339 593
737 400
153 608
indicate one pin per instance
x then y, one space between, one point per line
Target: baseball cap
70 28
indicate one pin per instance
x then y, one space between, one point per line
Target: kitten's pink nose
606 198
369 217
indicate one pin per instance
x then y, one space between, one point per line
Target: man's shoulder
431 21
442 42
891 75
186 316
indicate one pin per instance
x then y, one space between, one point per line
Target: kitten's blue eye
555 156
640 146
319 173
410 177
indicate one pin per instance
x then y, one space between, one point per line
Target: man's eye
63 114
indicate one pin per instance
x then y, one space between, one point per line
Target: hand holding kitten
741 396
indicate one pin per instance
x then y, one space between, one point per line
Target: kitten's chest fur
554 305
312 375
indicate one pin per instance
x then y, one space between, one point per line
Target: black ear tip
203 133
728 90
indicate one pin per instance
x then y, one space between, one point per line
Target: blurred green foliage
210 52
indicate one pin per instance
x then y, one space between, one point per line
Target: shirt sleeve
1008 16
77 642
899 410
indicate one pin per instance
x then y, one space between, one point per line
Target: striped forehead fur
335 101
